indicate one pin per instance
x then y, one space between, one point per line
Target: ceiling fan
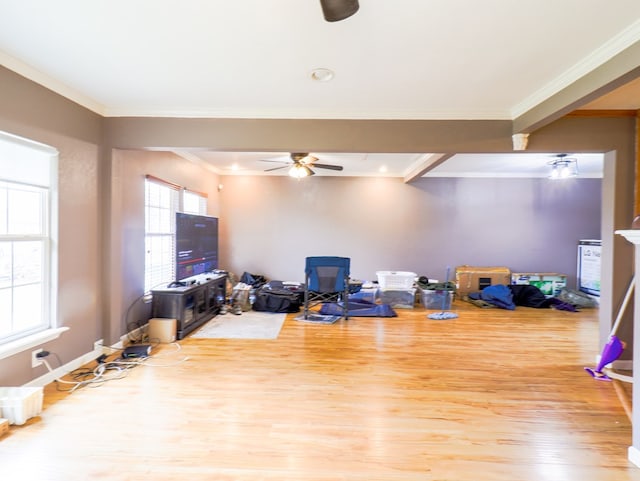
300 163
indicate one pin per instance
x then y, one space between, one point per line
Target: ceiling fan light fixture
299 171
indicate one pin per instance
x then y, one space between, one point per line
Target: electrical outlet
35 360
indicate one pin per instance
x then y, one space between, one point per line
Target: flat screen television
588 277
196 244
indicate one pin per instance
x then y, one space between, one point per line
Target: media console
191 304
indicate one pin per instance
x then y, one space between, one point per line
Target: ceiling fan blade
276 161
336 10
276 168
327 166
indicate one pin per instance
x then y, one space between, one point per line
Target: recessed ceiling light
322 74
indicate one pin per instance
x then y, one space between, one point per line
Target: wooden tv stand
191 304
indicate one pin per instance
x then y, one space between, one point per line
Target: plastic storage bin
17 404
396 279
398 298
366 295
436 299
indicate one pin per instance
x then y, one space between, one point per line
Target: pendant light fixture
336 10
563 167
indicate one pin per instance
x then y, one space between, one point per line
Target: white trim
619 377
31 144
381 114
508 175
632 235
15 347
634 455
620 365
595 59
49 82
137 333
624 365
58 372
90 356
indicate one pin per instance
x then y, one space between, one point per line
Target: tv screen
196 245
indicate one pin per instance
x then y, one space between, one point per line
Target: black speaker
137 350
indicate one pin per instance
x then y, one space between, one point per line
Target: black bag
253 280
276 300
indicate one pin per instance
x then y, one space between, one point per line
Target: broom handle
623 307
446 291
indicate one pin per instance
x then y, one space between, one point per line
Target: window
194 202
161 204
162 201
27 185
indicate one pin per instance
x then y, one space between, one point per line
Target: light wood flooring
492 395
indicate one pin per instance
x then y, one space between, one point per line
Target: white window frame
22 160
160 256
160 205
193 202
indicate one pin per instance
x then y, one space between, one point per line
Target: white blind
25 161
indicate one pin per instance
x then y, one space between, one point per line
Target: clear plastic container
18 404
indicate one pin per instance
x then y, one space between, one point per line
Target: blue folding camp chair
326 281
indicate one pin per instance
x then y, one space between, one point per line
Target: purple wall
269 224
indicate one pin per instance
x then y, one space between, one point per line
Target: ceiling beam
190 156
617 71
426 163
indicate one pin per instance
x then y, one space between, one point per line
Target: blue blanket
499 295
359 309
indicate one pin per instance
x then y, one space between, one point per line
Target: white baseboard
633 455
51 376
624 365
137 333
58 372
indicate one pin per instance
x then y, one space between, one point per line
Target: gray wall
270 224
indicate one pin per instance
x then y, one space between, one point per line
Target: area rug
318 318
248 325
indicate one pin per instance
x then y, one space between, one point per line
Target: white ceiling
398 165
406 59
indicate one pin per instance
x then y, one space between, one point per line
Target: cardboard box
4 426
550 283
162 330
474 279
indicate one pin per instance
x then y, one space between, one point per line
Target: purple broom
613 349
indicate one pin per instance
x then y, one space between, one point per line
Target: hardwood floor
492 395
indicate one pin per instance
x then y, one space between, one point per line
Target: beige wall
101 222
125 280
80 253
